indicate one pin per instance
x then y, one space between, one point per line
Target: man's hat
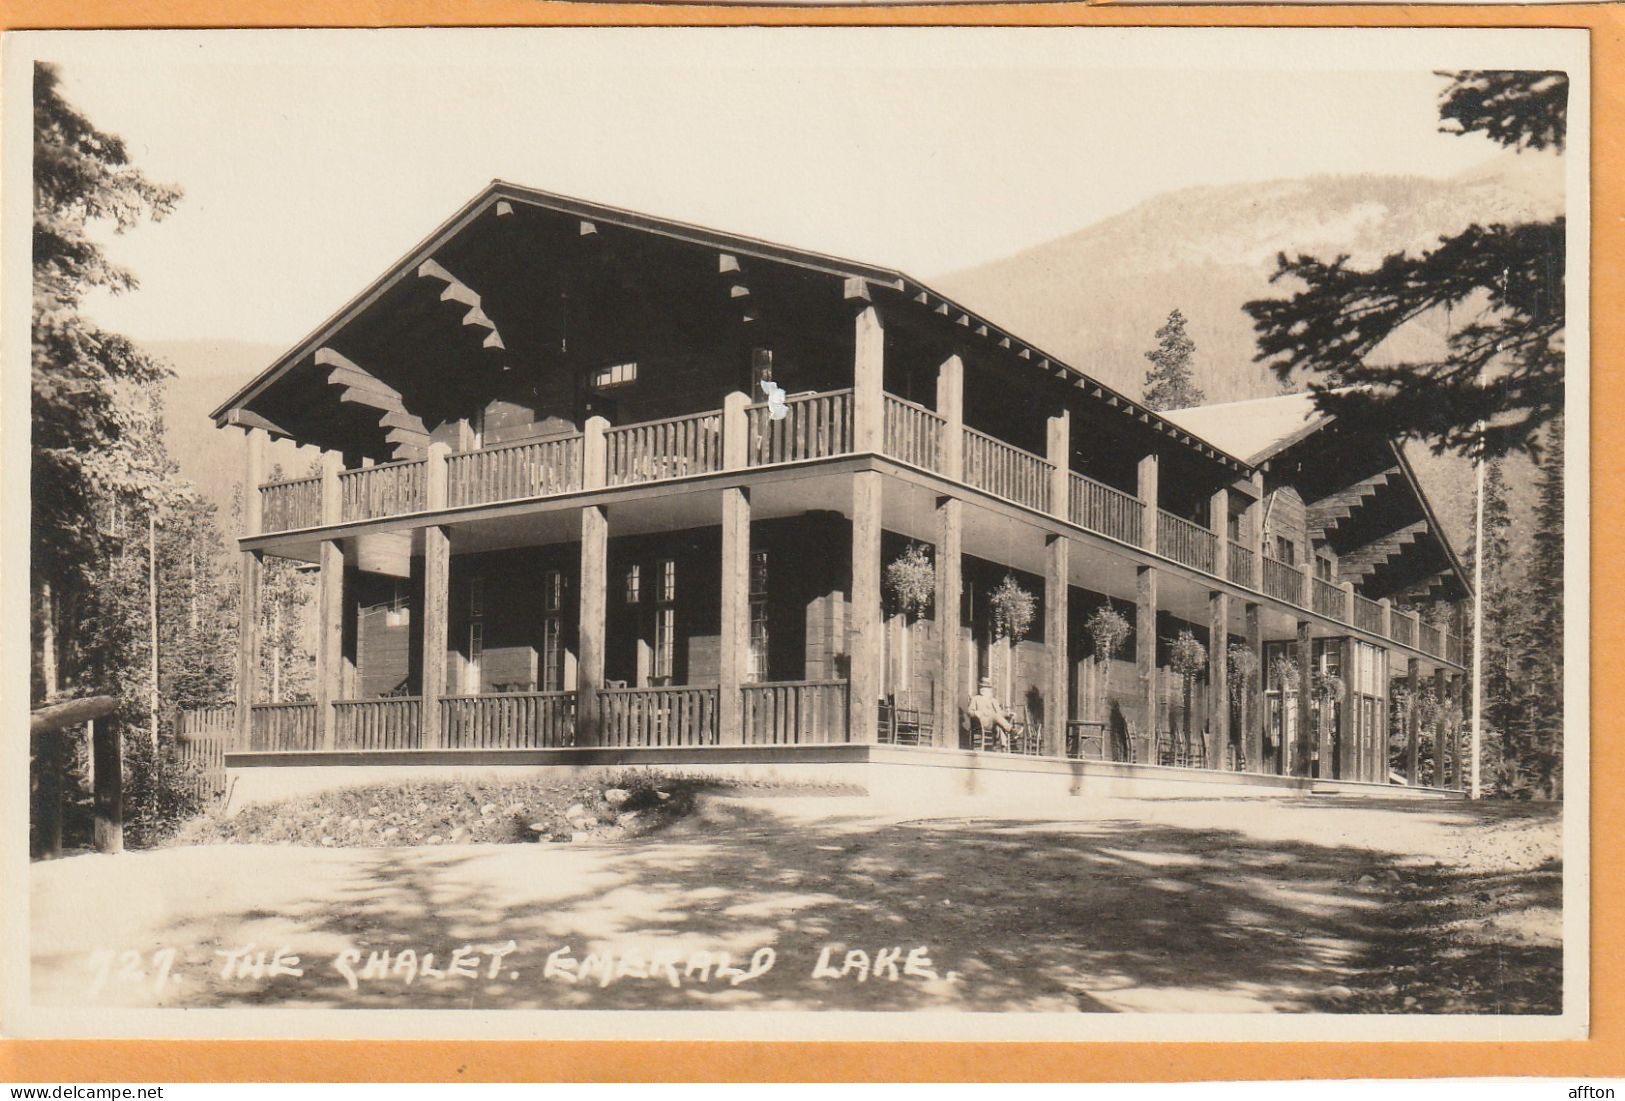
987 682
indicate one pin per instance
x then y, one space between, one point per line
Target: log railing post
868 375
1059 455
864 633
1218 676
593 608
951 408
949 585
1148 495
106 751
1057 582
734 645
1304 746
1145 649
1218 522
594 454
735 431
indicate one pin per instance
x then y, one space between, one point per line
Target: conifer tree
1169 384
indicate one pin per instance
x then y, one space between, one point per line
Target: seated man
988 715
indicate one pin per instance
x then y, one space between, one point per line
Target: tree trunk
45 597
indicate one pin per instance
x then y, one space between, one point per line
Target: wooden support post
951 408
436 627
735 625
1348 755
1305 739
1059 453
1348 613
868 383
248 644
1413 734
1218 520
1444 748
593 607
594 454
735 431
253 474
329 640
1145 650
1330 712
864 631
107 754
332 502
1253 734
1218 677
1387 614
950 546
434 476
1149 498
1057 580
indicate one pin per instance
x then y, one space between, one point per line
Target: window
1323 567
634 583
618 374
552 591
666 623
1286 550
476 597
758 616
1233 527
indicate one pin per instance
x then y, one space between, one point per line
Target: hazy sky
310 161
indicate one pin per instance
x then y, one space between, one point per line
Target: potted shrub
1012 608
1243 664
1188 658
1108 630
911 582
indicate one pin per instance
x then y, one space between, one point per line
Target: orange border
392 1061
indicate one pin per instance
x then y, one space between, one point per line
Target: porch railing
814 426
280 726
1282 581
1403 629
1429 639
913 433
1243 567
653 451
291 505
388 489
390 722
799 712
1367 614
683 715
1104 510
1185 542
513 472
1328 599
509 720
1006 471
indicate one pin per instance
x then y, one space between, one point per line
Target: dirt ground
1217 905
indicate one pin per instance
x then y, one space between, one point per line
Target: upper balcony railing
1328 599
814 426
654 451
1006 471
1185 542
1104 510
808 426
1282 581
913 434
388 489
1243 565
290 505
514 472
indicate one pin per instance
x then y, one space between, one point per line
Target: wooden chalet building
557 521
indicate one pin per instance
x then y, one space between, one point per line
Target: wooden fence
814 426
509 720
1243 566
514 472
1004 471
913 434
290 505
1282 581
795 712
282 726
682 715
1104 510
389 722
388 489
656 450
1187 543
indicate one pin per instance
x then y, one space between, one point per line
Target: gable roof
1255 429
500 193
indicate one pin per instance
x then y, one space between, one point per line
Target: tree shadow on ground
1093 916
